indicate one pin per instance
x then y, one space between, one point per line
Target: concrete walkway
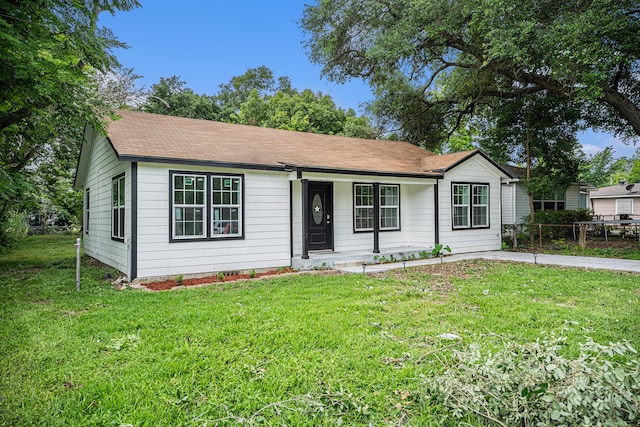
544 259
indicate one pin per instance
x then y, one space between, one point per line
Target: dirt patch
443 271
172 283
438 278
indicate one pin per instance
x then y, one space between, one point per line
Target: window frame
239 206
208 207
118 207
542 201
625 200
470 205
202 206
356 206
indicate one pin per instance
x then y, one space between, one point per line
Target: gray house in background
616 202
515 200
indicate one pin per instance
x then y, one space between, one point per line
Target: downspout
134 221
376 218
291 220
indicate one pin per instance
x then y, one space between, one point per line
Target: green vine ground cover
298 350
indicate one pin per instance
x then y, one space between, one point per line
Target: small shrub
253 274
533 385
221 277
179 280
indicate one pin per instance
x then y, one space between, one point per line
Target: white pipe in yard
78 264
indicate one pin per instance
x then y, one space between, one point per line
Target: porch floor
337 260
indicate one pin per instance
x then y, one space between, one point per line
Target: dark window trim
207 206
471 226
382 230
124 225
87 209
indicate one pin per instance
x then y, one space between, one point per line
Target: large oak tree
434 63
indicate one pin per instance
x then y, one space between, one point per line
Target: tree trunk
627 109
531 211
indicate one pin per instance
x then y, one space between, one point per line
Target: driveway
543 259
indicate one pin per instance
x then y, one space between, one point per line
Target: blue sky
206 42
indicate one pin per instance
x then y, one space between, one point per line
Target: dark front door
320 216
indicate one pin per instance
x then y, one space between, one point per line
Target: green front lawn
297 350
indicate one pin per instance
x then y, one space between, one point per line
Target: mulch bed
172 283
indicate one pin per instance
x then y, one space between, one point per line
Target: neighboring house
167 195
616 202
515 199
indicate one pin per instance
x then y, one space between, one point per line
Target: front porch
335 259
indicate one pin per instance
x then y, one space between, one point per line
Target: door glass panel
317 209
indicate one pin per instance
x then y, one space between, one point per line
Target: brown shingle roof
151 137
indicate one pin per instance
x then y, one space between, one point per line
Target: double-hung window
389 207
118 207
206 205
189 206
470 205
389 210
363 207
226 206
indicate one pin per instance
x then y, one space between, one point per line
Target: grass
297 350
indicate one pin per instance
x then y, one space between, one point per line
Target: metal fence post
78 264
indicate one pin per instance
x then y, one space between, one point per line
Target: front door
320 216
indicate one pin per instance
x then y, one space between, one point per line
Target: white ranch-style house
167 196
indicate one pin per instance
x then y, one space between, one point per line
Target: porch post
305 218
376 218
436 216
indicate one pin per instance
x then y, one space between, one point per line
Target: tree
447 59
170 96
539 132
117 88
237 91
48 50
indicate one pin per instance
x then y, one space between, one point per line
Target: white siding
476 170
266 227
103 166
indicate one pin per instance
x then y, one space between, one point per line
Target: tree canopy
257 98
49 49
435 63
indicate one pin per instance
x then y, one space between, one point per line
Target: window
460 206
624 206
363 207
389 207
470 206
206 206
389 196
118 207
188 206
226 205
87 209
549 202
480 205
